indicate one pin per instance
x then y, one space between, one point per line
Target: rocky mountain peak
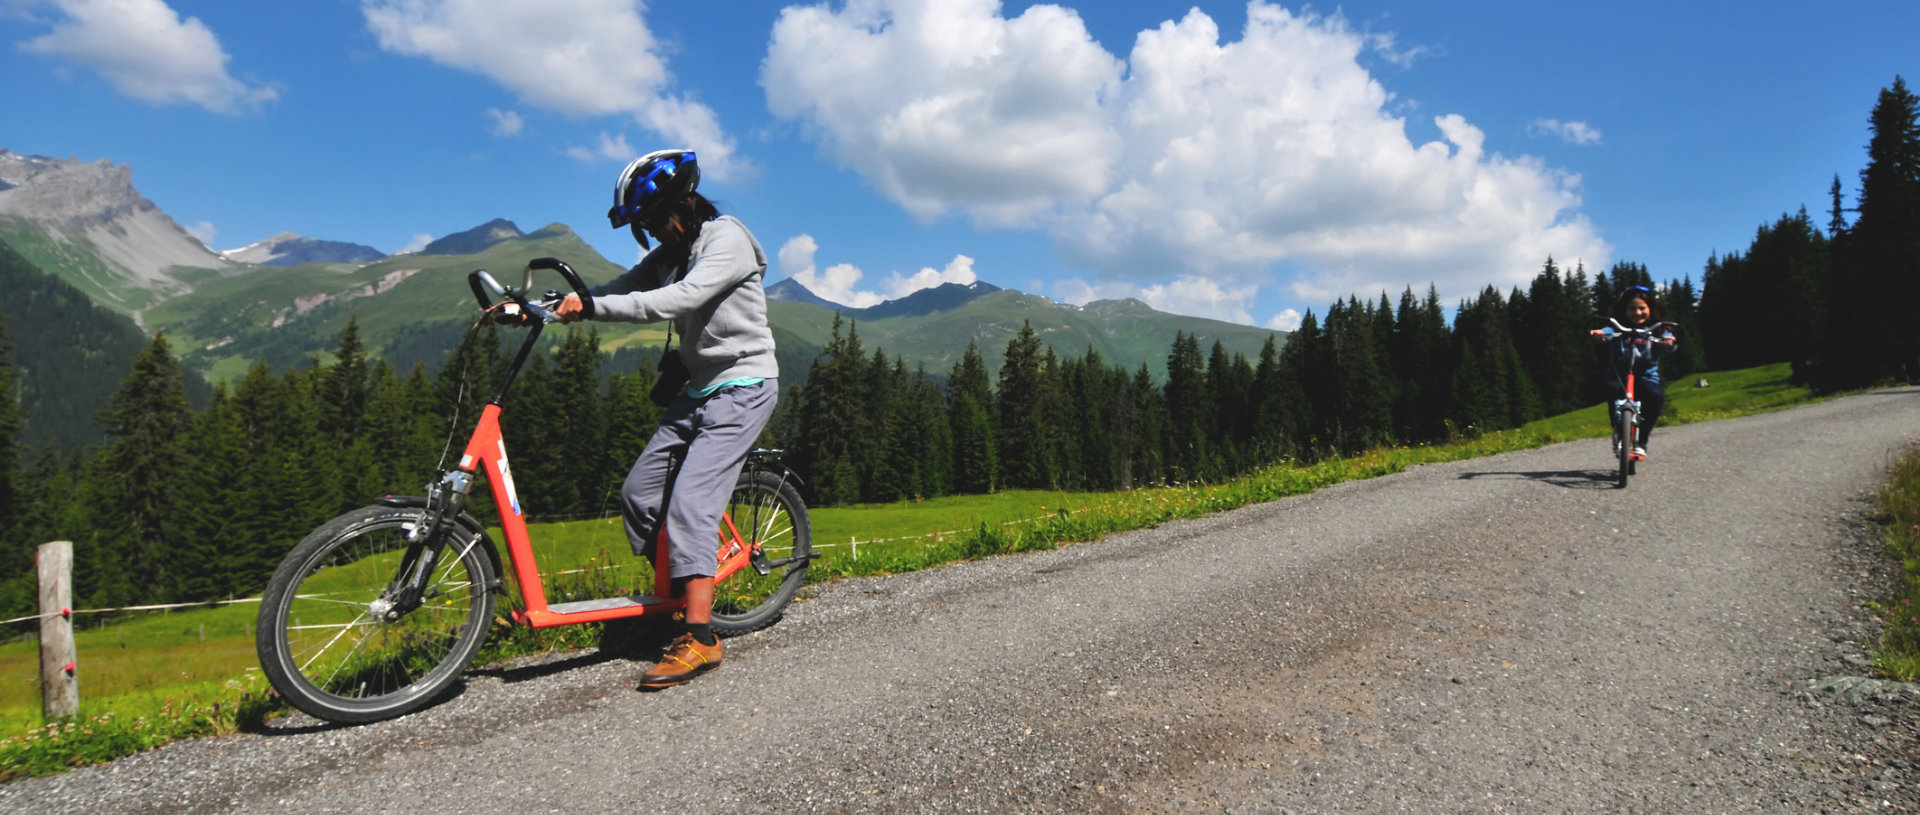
69 192
92 209
475 240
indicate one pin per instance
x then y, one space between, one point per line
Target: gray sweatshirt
718 307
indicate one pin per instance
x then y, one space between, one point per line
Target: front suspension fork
426 544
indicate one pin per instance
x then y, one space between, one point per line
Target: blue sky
1242 161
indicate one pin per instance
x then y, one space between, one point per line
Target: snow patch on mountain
289 249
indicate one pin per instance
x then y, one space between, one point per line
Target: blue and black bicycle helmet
1640 293
649 184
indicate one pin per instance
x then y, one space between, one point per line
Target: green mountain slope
1127 332
285 315
407 303
76 261
71 354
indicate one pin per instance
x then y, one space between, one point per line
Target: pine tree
1304 364
530 421
1230 426
1436 367
1363 398
1187 413
15 547
48 512
1270 437
1550 334
1837 215
897 468
280 426
215 452
934 435
882 383
1024 463
833 416
1491 389
1092 396
1602 305
1786 263
399 441
976 443
1147 466
1876 275
1690 355
135 480
580 425
1064 423
1419 360
631 419
342 389
468 381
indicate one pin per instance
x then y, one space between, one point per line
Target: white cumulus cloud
1271 158
840 282
946 105
146 51
959 270
610 147
837 283
576 57
1579 133
417 243
1286 320
505 123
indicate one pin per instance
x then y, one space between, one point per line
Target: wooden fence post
59 688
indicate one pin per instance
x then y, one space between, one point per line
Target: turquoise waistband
731 383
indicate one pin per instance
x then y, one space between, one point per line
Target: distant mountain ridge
475 240
793 291
225 313
934 326
288 249
944 297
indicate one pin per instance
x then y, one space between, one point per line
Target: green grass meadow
1898 522
149 677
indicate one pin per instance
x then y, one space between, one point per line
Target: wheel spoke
357 666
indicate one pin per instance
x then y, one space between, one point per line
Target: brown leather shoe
685 659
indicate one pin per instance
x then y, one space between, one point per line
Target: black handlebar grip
572 277
479 289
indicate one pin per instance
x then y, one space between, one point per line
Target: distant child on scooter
1637 308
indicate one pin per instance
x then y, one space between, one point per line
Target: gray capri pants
715 434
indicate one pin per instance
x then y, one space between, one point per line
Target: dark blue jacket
1647 367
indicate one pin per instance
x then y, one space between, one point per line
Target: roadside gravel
1508 634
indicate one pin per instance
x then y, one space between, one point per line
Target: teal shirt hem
731 383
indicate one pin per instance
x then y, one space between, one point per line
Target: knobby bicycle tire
327 648
1624 433
767 512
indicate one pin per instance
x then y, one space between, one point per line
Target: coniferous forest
185 504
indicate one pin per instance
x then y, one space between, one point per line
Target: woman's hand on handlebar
571 310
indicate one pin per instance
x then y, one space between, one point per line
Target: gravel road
1509 634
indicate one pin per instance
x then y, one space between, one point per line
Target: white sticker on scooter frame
506 478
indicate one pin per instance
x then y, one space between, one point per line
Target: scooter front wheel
333 642
1623 442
